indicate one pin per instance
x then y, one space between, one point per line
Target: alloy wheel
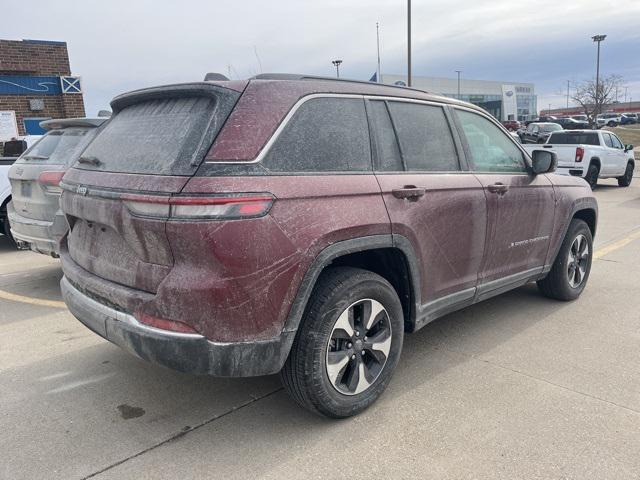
578 261
358 347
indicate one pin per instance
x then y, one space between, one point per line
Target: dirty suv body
37 223
301 225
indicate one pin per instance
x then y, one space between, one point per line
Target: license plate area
25 189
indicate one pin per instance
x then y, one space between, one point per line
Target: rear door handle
408 191
499 188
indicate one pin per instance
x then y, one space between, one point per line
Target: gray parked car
35 218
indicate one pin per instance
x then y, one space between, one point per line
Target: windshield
58 147
550 128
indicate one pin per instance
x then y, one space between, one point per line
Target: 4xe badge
81 190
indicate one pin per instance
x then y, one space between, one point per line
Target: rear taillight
163 323
50 182
579 154
211 207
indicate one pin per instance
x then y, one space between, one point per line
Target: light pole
568 81
337 63
598 39
458 72
549 111
408 43
378 43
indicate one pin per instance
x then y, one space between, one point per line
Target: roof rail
296 76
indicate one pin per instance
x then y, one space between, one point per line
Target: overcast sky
118 45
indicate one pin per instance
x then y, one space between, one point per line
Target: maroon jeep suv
302 225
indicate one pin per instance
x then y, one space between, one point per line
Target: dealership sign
38 85
509 103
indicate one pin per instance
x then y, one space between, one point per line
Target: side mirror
543 161
628 148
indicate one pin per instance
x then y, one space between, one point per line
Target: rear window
574 138
324 135
60 147
164 136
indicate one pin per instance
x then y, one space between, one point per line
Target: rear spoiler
57 124
196 89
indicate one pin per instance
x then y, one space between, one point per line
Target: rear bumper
191 353
573 171
41 235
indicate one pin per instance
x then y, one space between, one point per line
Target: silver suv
35 218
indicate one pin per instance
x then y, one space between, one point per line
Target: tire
562 281
625 180
541 140
611 124
6 228
592 175
306 373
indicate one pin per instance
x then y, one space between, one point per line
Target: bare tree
594 102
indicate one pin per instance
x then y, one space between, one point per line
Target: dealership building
503 100
36 84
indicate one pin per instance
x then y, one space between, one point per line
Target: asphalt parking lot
516 387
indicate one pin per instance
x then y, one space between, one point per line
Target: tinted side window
425 139
490 149
616 142
388 152
324 135
607 140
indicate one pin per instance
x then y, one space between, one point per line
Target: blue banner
27 85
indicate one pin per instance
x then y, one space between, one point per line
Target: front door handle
499 188
408 191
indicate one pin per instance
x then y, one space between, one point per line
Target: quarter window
324 135
425 139
490 149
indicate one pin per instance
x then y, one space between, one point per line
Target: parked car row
297 225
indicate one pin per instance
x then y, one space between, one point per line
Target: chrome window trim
267 146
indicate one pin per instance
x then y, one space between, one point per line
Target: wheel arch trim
346 247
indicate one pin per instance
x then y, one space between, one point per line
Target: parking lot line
601 252
33 301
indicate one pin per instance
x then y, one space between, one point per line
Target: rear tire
625 180
592 175
5 225
334 351
571 268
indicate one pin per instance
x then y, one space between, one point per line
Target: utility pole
625 94
378 43
337 63
458 72
408 43
598 39
567 93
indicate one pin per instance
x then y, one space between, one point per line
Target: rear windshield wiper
37 157
90 160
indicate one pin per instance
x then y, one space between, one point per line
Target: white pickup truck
590 154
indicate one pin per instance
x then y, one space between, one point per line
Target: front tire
625 180
570 271
347 345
